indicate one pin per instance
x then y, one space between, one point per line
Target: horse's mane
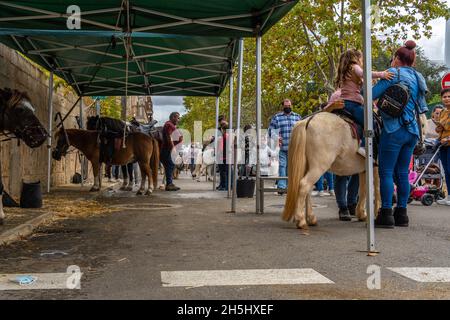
12 97
96 123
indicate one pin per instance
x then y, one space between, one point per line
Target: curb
27 228
24 229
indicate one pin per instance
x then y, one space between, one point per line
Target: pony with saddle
324 142
18 120
109 148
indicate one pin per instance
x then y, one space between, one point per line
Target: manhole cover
150 206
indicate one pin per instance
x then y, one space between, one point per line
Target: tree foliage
301 52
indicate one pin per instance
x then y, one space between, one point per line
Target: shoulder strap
416 107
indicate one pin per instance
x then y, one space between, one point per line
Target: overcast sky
433 47
163 106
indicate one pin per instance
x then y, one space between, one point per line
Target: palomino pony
318 144
17 117
139 146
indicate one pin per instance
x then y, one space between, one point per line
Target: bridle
63 129
26 131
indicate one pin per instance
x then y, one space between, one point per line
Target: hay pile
64 206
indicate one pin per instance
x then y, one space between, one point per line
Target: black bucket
31 195
245 188
76 179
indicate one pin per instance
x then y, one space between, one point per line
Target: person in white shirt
268 157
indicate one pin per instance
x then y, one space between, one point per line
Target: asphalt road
123 254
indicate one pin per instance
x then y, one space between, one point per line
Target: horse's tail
154 163
297 164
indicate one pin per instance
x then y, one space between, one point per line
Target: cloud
164 106
435 46
167 101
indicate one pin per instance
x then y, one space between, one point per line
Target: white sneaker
445 202
332 193
315 193
323 194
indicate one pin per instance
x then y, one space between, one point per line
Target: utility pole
447 44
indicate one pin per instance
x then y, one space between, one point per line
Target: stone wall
20 162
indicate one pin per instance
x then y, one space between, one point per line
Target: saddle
357 130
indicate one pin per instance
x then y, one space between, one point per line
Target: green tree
109 107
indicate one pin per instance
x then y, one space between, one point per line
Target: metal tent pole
97 107
368 124
258 122
238 124
82 162
229 151
215 144
50 128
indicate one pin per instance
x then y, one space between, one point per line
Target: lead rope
126 100
127 45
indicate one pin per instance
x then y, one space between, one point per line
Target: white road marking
44 281
424 274
241 277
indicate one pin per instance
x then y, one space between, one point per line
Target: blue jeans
445 159
282 169
168 164
346 190
395 152
327 176
357 111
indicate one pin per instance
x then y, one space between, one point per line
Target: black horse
18 120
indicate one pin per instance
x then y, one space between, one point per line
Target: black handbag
394 99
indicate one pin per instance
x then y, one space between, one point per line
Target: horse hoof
94 190
139 193
129 189
148 193
2 222
123 188
313 222
303 226
362 219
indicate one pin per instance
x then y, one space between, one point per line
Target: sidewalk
62 202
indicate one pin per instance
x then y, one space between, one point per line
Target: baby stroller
427 179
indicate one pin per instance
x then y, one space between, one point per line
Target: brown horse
18 119
139 147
